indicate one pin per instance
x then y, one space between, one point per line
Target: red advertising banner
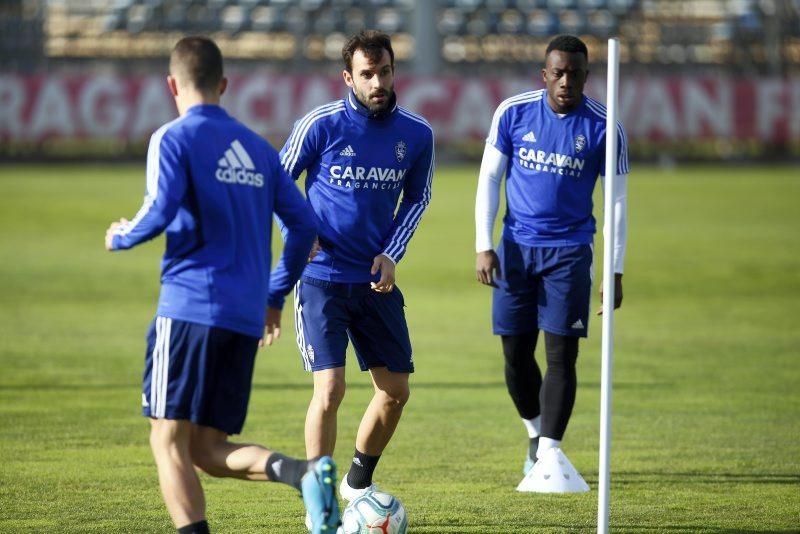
97 113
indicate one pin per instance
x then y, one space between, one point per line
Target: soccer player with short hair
212 187
550 145
359 153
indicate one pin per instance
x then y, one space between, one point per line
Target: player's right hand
487 268
315 248
110 232
272 327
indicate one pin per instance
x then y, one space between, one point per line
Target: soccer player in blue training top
359 153
550 144
213 186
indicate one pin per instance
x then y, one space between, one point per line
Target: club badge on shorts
580 142
400 151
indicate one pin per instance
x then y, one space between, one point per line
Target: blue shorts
199 373
328 313
547 288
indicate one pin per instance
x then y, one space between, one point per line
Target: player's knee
396 398
562 351
518 350
202 458
208 455
167 447
329 394
403 396
157 443
162 439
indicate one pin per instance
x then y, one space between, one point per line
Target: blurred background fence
700 80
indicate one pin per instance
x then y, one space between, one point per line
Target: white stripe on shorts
165 368
591 278
159 374
153 366
299 327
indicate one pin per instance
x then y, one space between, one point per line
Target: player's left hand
386 267
272 327
617 293
111 229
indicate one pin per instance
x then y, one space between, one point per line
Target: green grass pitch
706 429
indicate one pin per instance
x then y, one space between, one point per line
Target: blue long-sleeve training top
212 187
553 164
357 165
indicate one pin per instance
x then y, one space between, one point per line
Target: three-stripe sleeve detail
152 170
410 222
530 96
296 139
622 151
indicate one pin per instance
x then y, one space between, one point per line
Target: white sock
533 426
546 444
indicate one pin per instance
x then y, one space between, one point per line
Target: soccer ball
375 512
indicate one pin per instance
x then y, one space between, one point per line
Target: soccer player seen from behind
550 145
212 187
359 154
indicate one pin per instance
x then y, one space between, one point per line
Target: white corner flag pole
609 239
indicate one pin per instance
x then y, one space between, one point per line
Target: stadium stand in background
433 36
701 79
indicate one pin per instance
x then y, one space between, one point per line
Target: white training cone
553 473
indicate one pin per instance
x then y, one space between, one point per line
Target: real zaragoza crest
580 142
400 151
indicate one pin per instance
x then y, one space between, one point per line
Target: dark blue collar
355 105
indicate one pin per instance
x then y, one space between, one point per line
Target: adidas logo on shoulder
348 151
529 137
237 167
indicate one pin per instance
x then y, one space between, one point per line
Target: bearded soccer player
550 145
212 187
359 154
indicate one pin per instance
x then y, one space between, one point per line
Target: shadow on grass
366 384
684 478
565 527
628 385
678 528
66 387
618 526
498 384
266 386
